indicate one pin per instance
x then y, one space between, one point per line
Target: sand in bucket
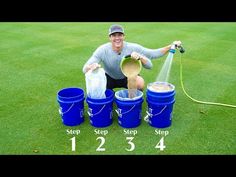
131 69
160 87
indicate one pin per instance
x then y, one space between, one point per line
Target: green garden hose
194 100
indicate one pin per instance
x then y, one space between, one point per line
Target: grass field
39 59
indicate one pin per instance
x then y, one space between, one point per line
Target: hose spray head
181 49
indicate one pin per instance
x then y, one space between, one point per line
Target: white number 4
160 145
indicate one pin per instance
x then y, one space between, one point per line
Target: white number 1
73 143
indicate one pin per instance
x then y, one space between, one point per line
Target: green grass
39 59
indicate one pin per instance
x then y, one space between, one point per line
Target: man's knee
140 83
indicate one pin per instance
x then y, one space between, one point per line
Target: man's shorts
116 83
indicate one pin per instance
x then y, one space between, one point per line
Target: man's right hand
93 67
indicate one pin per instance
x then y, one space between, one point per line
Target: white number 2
101 144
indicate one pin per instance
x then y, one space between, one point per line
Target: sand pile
160 87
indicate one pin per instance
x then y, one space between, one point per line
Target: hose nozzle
181 49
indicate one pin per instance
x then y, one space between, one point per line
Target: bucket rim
128 99
71 101
163 103
110 97
67 88
112 93
171 94
161 91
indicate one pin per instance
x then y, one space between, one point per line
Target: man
111 54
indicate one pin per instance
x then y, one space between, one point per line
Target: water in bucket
100 110
71 102
129 109
160 99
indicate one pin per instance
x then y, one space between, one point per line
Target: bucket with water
71 101
129 109
160 99
100 110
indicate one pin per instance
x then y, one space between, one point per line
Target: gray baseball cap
116 29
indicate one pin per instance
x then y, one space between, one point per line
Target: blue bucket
129 109
160 104
71 101
100 110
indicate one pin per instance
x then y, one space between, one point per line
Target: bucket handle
146 118
62 113
91 114
120 114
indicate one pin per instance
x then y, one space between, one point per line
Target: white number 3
132 146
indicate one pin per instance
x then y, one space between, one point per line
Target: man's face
117 39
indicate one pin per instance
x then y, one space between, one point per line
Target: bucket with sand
129 101
160 99
129 110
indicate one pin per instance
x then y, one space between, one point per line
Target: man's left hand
177 43
136 56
